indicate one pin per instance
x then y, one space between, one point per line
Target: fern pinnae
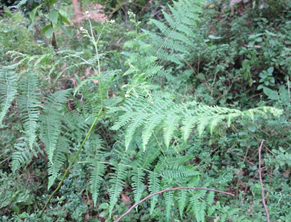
49 133
154 186
138 121
197 205
149 128
98 170
117 184
214 122
138 185
188 124
95 148
149 155
51 121
21 154
169 197
123 120
170 125
58 159
29 105
210 200
8 91
182 201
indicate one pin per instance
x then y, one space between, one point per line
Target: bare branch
170 189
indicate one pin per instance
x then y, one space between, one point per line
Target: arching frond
8 91
138 111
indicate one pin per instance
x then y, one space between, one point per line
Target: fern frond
29 104
51 121
169 197
21 155
149 128
138 185
210 201
138 121
170 125
96 144
58 158
98 170
198 206
178 36
154 186
117 184
182 201
152 115
8 91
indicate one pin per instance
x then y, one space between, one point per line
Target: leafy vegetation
182 109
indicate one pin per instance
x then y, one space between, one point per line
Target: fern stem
74 160
95 42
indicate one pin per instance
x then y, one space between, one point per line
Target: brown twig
170 189
261 182
249 162
249 183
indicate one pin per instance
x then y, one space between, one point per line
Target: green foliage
8 87
201 86
163 114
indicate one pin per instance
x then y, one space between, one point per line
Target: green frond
210 201
149 156
149 128
178 36
8 91
51 121
182 201
58 158
138 121
137 184
117 183
98 170
188 125
170 125
198 205
169 198
154 186
29 105
152 115
21 155
96 146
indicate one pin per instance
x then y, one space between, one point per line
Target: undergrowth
184 101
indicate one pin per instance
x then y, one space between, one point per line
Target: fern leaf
96 179
138 186
8 91
21 155
197 205
210 201
58 159
117 184
154 187
170 124
149 128
152 115
188 124
182 201
29 105
51 121
138 121
94 149
169 196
